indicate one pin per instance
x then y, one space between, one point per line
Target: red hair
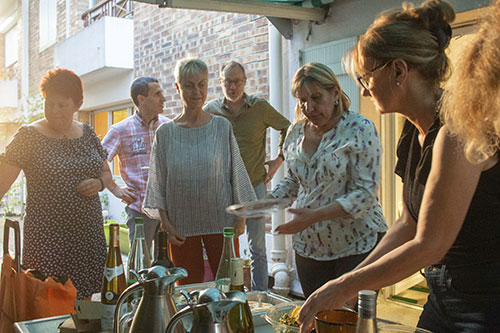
62 82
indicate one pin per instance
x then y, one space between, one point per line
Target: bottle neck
163 252
367 304
139 231
228 247
366 313
114 238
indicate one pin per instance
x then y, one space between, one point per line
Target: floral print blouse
345 168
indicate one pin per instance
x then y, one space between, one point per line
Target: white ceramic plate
259 208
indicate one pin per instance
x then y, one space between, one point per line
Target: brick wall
165 35
43 61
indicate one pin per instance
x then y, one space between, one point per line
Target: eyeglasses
364 80
229 83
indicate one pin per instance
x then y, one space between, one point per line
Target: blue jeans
151 227
256 233
464 299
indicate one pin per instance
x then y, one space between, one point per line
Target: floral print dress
63 230
345 168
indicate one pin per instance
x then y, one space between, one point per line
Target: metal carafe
212 313
157 305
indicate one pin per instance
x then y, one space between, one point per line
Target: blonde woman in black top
450 221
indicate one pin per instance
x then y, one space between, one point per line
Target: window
48 23
11 46
102 121
331 54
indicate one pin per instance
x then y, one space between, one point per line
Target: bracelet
102 184
281 155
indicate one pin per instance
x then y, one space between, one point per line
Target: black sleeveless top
479 239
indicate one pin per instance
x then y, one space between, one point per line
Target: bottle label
112 272
237 271
107 316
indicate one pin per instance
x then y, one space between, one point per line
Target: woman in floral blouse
333 158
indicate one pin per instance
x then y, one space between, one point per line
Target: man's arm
277 121
111 143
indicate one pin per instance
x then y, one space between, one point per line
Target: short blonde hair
417 35
471 108
316 74
188 66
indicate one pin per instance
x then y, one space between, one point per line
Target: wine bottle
223 276
114 281
139 257
240 316
237 274
367 312
163 252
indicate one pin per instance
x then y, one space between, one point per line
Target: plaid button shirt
131 140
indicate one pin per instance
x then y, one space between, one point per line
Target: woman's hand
174 237
89 187
328 296
239 226
304 217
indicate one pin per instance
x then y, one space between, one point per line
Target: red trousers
189 255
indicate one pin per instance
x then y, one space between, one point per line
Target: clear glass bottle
139 257
163 252
114 281
223 276
367 312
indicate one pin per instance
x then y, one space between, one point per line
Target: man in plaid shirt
131 140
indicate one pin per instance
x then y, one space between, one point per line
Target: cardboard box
75 325
88 309
86 319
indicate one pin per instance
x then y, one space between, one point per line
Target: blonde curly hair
471 107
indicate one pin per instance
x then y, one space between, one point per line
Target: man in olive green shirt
250 117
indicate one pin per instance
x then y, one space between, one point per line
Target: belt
444 279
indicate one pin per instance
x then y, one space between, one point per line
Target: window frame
12 50
109 118
47 31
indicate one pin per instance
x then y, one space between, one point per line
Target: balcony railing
115 8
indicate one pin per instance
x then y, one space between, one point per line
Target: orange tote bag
25 297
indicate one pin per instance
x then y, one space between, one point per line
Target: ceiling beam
254 7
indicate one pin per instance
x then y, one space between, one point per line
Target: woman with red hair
65 168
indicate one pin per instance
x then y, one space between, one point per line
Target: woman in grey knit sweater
196 171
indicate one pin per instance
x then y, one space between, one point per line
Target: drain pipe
279 268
